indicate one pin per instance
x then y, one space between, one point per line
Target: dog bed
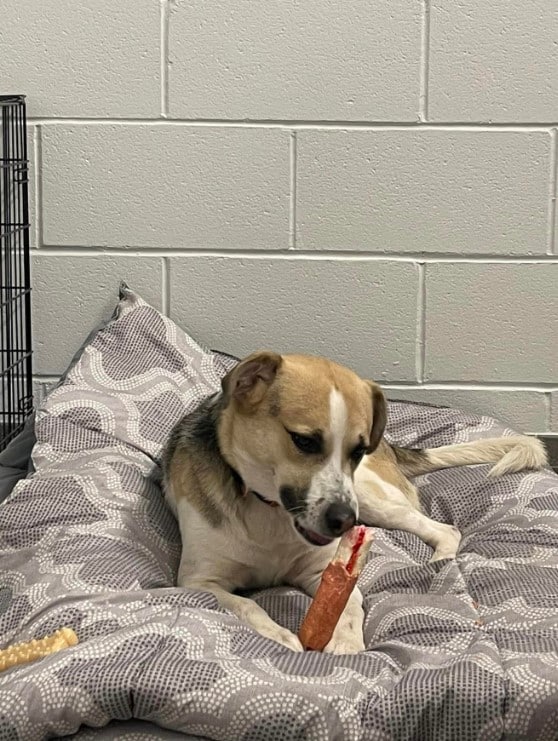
456 649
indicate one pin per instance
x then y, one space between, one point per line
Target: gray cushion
87 541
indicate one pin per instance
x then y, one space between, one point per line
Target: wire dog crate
15 279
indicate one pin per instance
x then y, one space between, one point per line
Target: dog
267 474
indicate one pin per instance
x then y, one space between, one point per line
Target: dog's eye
358 453
306 443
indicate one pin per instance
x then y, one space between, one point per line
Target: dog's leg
390 515
207 567
383 505
246 610
348 637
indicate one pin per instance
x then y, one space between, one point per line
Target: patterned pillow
138 374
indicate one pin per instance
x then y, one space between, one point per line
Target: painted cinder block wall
374 181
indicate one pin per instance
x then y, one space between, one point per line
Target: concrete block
361 313
313 60
83 58
166 186
495 61
480 192
491 322
524 411
71 295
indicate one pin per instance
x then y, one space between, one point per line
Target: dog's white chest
268 546
261 550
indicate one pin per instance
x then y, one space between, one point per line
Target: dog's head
295 427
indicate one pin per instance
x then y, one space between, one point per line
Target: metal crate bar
16 395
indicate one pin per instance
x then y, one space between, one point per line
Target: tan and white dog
267 474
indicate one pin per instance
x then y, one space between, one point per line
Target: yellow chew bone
23 653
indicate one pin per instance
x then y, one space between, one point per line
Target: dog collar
264 500
245 490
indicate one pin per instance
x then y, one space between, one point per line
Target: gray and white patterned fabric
464 649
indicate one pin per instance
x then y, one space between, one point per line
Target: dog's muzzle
319 526
338 518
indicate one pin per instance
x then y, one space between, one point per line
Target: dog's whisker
297 510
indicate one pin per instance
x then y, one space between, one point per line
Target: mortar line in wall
38 185
421 323
286 254
553 194
292 191
164 58
424 62
294 125
540 387
411 385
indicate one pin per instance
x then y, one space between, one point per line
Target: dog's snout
339 518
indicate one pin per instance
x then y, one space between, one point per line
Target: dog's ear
379 416
250 379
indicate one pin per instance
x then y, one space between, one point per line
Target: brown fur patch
383 463
379 418
274 404
194 487
411 460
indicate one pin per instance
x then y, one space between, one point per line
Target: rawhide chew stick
23 653
338 581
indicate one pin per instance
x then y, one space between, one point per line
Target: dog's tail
509 454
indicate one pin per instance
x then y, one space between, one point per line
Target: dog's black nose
339 518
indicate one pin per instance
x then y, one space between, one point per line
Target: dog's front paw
282 636
350 643
448 543
348 637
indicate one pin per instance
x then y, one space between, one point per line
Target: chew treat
338 581
23 653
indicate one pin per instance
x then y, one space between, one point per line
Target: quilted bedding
464 649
